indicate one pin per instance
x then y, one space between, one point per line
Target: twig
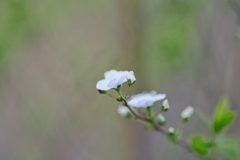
181 143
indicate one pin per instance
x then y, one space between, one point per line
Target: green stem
181 127
119 90
165 127
125 97
111 95
149 112
181 143
157 113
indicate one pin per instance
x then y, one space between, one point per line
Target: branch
181 143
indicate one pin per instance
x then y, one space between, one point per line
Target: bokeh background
52 53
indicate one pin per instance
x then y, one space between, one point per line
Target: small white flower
124 111
165 105
187 113
145 99
131 77
112 79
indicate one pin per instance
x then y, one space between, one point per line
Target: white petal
148 103
123 73
110 74
123 110
131 76
145 99
103 85
122 80
187 112
159 97
113 83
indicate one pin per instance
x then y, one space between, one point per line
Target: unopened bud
187 113
165 105
119 99
125 112
171 131
131 78
161 120
102 91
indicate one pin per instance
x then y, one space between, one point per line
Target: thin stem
126 92
181 127
111 95
165 127
157 113
181 143
149 112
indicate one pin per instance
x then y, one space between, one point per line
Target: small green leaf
223 116
201 145
229 147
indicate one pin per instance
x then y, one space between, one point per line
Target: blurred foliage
219 143
229 147
13 22
201 145
223 116
170 36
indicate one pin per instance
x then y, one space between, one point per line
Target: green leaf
223 116
201 145
229 147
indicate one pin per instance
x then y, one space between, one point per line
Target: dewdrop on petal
131 78
165 105
125 112
187 113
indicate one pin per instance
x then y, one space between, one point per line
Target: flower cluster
139 106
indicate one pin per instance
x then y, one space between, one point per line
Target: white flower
131 77
165 105
112 79
124 111
187 113
145 99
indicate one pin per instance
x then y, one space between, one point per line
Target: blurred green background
52 53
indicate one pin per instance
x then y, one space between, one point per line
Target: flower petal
159 97
110 74
113 83
103 85
122 80
145 99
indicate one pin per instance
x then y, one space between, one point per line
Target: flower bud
187 113
119 99
161 120
102 91
165 105
125 112
171 131
131 78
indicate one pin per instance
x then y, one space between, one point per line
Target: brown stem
181 143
